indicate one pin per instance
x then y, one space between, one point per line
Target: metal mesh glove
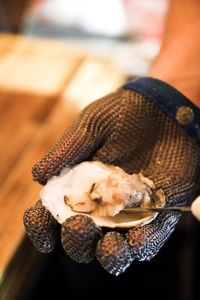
125 129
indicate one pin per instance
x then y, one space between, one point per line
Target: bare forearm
178 62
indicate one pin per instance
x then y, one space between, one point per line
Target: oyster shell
102 191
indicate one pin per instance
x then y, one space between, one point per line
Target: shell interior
76 184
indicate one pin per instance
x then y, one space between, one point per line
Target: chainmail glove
133 129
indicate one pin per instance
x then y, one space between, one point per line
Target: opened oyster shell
102 191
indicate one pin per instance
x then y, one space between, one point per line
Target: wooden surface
43 86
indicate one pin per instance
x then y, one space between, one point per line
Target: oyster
100 191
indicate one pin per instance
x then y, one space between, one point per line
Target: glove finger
80 140
146 241
113 253
79 236
40 227
75 145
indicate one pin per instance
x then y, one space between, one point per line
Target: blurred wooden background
43 85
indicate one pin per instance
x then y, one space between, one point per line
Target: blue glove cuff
171 101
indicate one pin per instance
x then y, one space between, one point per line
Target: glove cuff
171 101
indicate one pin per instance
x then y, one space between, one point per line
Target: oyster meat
102 191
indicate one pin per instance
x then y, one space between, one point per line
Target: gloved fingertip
146 241
37 176
113 253
79 236
40 227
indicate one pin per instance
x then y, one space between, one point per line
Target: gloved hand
128 129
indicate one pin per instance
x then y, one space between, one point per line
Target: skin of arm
178 61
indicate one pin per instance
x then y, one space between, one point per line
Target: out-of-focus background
56 56
126 31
